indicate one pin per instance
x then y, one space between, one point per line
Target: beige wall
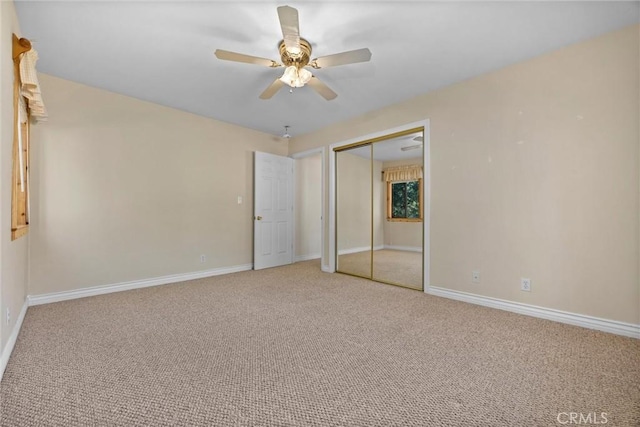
126 190
398 234
534 173
13 255
308 206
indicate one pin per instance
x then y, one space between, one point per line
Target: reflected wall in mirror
379 210
353 211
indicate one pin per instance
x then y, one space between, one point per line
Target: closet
380 209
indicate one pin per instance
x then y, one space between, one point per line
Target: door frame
426 192
322 151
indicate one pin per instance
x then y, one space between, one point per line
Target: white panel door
272 210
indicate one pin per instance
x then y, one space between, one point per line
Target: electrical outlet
8 318
525 284
475 276
203 258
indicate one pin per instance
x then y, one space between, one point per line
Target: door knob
259 218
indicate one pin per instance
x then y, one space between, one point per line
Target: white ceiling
162 51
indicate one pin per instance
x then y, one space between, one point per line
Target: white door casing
272 210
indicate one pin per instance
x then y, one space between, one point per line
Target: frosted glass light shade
304 75
295 77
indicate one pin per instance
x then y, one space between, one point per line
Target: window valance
30 87
403 173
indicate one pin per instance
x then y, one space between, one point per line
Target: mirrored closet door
379 209
354 196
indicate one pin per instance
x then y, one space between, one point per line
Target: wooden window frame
19 195
389 204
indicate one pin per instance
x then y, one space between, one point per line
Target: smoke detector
286 133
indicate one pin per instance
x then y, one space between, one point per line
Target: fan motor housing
299 60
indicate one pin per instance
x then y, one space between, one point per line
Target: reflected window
404 200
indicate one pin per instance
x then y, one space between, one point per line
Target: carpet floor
293 346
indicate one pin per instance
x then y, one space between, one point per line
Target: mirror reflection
353 211
399 261
379 218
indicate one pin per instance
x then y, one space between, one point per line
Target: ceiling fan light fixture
296 77
295 55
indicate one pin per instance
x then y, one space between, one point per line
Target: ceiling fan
295 55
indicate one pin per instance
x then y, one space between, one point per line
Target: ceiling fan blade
350 57
322 89
290 28
239 57
272 89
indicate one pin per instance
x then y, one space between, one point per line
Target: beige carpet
293 346
399 267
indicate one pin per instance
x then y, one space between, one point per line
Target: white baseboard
404 248
135 284
308 257
612 326
360 249
326 269
8 348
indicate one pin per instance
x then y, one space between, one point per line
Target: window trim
420 202
19 198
